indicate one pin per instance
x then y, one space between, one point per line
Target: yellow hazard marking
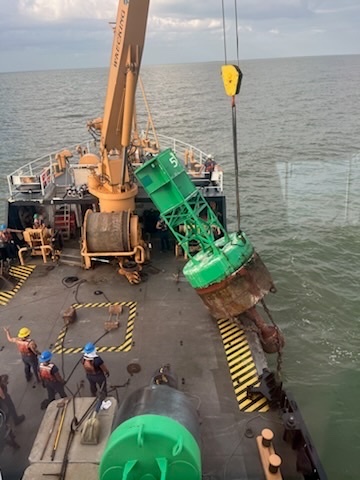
125 346
19 274
242 367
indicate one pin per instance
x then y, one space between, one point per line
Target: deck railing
39 174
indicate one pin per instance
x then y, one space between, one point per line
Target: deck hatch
241 366
125 346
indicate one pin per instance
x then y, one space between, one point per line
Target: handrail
40 173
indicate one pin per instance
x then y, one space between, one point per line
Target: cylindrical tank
156 435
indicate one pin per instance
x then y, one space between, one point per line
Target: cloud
34 32
55 10
245 28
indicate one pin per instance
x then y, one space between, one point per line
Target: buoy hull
240 291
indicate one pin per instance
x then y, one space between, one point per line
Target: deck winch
227 273
125 239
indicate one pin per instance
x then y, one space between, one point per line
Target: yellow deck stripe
240 390
241 366
124 347
19 273
234 353
7 294
250 376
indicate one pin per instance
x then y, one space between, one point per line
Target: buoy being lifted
227 273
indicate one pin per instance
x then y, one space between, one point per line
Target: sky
56 34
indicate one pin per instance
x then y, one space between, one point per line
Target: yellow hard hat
24 332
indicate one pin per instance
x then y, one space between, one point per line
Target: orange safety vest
45 372
89 366
24 347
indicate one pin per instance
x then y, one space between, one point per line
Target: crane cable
223 21
232 76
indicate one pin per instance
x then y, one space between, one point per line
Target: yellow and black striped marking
124 347
242 367
19 274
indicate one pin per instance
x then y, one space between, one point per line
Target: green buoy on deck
151 447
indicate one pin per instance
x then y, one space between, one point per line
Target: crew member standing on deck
8 246
209 165
50 376
95 368
28 351
161 227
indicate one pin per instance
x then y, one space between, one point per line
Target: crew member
95 368
6 403
28 351
164 234
50 376
8 246
209 164
38 221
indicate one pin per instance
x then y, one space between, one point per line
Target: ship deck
163 321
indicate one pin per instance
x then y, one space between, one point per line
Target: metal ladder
63 221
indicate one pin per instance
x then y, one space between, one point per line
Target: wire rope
224 30
233 113
237 33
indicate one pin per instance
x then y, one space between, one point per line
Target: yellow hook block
231 75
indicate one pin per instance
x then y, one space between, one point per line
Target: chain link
279 350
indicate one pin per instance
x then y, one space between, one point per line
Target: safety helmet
24 332
36 215
89 348
209 157
45 356
3 227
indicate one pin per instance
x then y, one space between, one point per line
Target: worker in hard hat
38 221
50 376
28 351
95 368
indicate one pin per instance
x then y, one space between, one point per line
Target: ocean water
298 129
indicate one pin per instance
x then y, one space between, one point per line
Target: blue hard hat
45 356
89 348
2 227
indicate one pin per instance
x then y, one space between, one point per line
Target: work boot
19 420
